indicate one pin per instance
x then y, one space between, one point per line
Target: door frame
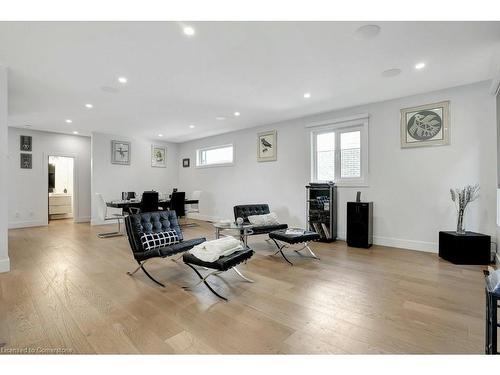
75 208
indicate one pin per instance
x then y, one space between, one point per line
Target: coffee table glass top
232 226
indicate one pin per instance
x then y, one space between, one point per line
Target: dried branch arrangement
461 198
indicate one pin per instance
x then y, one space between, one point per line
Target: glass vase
460 222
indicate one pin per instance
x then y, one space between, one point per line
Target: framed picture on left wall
120 152
26 161
158 156
25 142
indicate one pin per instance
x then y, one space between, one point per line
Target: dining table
136 203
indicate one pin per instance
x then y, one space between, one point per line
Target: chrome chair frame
305 245
203 279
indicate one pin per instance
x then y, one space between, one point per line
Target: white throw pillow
267 219
151 241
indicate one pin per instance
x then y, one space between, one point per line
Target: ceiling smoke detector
391 72
110 89
367 32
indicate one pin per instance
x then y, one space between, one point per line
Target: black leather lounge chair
246 210
155 222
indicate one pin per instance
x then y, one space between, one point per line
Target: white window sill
351 185
215 165
347 184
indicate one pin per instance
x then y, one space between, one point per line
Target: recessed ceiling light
191 126
89 105
237 114
160 135
68 121
122 79
391 72
420 66
109 89
220 118
367 32
75 132
307 95
188 30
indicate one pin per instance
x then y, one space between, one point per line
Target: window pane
350 154
325 156
325 142
221 155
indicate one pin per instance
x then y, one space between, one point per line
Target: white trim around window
201 161
338 127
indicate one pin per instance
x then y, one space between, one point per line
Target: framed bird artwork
158 156
120 152
426 125
267 146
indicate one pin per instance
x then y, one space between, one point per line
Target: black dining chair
177 203
149 203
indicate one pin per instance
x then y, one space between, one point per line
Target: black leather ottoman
220 265
304 237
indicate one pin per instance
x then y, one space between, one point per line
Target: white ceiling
261 69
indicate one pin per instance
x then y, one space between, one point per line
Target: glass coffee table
243 230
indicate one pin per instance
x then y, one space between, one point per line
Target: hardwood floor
69 289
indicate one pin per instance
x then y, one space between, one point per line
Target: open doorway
61 189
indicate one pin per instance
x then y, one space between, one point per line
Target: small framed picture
267 147
158 156
120 152
185 163
426 125
26 161
25 143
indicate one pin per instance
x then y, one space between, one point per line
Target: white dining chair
102 210
195 207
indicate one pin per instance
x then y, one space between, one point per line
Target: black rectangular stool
294 238
222 264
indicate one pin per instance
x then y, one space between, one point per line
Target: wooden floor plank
68 288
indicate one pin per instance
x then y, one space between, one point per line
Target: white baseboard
429 247
197 216
40 223
83 219
4 265
102 222
27 224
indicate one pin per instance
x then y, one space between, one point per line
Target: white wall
111 179
4 254
409 187
28 188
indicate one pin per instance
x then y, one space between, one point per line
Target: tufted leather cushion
263 229
223 263
150 222
246 210
294 238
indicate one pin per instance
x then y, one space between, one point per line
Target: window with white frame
340 151
213 156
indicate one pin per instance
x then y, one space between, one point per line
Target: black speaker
359 224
